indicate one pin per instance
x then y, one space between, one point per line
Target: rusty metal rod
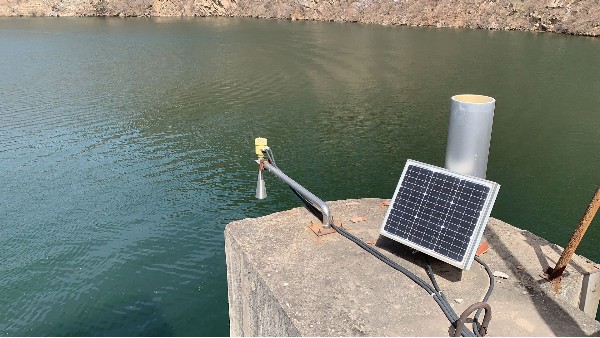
569 250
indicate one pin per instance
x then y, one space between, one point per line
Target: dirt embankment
581 17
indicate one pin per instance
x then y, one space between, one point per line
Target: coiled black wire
434 290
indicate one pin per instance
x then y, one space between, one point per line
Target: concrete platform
285 281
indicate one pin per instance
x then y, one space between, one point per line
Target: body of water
126 146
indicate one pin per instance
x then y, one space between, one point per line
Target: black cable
487 294
485 298
436 286
385 259
438 297
432 276
313 210
434 291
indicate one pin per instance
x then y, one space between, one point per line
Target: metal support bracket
319 230
261 164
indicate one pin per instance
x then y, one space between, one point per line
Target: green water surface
126 146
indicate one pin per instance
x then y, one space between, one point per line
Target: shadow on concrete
557 319
546 262
556 249
441 269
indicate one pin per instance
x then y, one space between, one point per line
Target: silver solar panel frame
477 234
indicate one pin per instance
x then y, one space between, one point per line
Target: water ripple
126 146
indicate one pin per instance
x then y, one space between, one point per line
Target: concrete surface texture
284 280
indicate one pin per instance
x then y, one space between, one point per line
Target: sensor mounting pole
264 162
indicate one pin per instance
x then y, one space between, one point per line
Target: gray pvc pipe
469 134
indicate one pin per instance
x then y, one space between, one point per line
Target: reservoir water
126 146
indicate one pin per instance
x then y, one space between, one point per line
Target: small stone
500 274
459 300
524 292
370 242
357 219
286 284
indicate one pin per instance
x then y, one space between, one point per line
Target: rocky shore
578 17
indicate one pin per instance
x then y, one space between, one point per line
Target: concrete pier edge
283 280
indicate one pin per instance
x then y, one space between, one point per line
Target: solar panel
439 212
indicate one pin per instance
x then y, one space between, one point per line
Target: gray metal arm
301 190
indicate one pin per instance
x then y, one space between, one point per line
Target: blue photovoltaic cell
436 211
